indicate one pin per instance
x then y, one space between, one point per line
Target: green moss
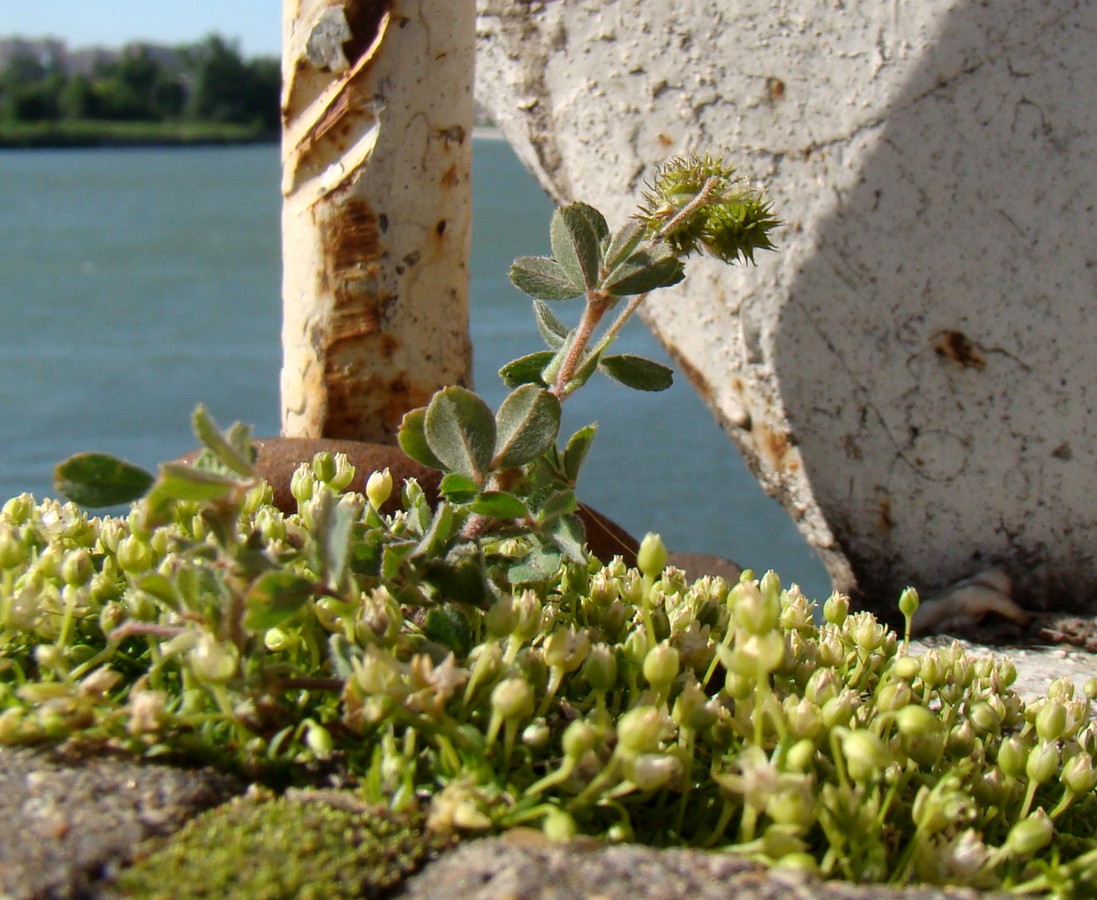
265 848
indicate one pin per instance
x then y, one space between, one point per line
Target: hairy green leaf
333 525
560 503
96 479
181 482
539 565
576 232
553 331
637 372
567 534
460 431
543 278
439 533
458 488
499 505
645 271
526 369
525 426
587 367
275 597
447 625
207 432
412 439
576 451
624 243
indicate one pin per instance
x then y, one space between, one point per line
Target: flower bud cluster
627 703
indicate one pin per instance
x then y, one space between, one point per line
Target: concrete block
913 374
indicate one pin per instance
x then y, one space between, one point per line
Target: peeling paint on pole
376 157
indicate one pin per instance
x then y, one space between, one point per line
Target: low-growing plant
471 658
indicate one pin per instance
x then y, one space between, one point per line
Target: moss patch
308 844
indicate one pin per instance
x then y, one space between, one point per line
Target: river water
137 283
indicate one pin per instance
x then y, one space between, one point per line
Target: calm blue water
135 284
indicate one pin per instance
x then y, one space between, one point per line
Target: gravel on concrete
502 869
68 820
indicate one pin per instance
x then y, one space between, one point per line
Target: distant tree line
208 81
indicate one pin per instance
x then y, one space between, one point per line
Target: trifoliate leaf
576 451
526 426
624 243
577 231
97 479
275 597
412 439
645 270
207 432
499 505
527 369
181 482
447 625
553 331
458 488
544 279
637 372
460 431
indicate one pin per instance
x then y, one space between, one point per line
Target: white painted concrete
913 375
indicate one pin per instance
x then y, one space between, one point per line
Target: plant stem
596 307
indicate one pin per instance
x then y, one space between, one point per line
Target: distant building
47 52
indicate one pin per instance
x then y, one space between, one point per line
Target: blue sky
256 24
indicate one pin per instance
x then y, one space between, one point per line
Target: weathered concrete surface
69 821
912 375
503 868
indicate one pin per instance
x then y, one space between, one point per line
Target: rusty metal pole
376 153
